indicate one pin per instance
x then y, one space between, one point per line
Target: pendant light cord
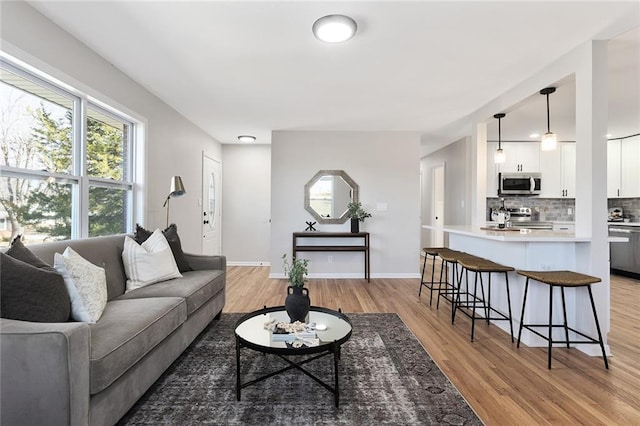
548 121
499 133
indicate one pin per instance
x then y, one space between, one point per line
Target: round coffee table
250 333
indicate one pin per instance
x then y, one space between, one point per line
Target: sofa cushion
127 331
195 286
105 252
171 234
86 283
20 252
28 293
149 262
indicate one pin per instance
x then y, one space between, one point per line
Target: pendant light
498 156
549 140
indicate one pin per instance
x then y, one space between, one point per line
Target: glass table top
252 328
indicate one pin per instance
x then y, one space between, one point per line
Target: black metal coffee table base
250 334
335 389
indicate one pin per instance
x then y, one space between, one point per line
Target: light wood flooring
504 385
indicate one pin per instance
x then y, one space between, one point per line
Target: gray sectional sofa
76 373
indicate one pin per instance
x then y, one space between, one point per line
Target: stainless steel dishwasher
625 257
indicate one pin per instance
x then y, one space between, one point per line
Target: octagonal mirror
327 195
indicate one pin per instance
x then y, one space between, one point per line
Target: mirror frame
314 179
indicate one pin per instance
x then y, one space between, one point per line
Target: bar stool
479 266
451 289
561 279
433 252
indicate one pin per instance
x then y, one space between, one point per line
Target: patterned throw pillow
86 283
148 263
28 293
171 234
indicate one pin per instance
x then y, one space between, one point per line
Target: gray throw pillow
32 294
171 234
20 252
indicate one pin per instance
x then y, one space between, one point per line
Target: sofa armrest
44 372
199 262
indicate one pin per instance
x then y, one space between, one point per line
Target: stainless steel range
521 217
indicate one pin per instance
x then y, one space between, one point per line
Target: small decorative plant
355 211
296 271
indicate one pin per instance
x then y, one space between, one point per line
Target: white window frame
79 179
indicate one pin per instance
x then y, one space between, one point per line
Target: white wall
386 167
246 210
174 145
457 179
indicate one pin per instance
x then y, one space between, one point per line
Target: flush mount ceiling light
549 140
498 156
246 138
334 28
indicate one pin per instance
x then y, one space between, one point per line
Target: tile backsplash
557 209
630 207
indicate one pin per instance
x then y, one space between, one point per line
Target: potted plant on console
297 303
357 215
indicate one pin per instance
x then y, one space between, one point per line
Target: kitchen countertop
624 224
522 235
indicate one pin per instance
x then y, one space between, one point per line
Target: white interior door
211 206
438 205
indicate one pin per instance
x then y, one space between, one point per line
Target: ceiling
241 67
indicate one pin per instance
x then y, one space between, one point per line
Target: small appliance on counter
615 214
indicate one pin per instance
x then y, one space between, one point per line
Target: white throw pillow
148 263
86 284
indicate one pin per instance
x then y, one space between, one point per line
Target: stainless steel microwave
519 183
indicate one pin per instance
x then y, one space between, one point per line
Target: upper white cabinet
613 169
558 169
623 168
521 157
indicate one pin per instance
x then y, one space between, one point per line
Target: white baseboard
353 276
249 263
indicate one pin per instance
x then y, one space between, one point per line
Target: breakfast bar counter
535 250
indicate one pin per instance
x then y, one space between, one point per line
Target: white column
478 173
591 178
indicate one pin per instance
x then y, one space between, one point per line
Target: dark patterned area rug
386 377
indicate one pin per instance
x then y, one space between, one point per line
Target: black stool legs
565 326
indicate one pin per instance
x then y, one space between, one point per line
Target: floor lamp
176 190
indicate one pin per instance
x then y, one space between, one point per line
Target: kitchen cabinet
521 157
558 169
564 185
623 168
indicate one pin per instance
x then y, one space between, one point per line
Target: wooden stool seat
479 265
431 285
433 251
561 279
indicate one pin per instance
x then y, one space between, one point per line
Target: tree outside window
45 159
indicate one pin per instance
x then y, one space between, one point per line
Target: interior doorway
211 206
437 203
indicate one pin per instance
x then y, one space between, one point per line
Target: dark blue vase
297 303
355 225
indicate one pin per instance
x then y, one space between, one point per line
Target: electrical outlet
330 259
545 267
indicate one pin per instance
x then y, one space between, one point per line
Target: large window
66 162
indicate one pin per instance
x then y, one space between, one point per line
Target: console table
364 247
